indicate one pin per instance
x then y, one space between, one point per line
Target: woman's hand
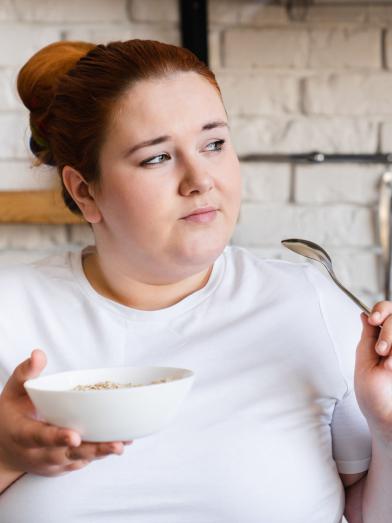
29 445
373 371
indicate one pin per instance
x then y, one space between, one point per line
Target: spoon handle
348 293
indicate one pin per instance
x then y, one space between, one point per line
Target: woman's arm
354 485
369 500
377 488
373 378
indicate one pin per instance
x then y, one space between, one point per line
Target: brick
336 3
259 14
224 12
8 11
250 48
154 10
338 225
358 269
108 33
70 11
253 13
388 49
166 34
214 50
345 48
379 15
20 175
10 258
335 135
263 182
9 99
386 137
32 237
343 14
259 94
81 234
349 94
332 183
26 40
14 136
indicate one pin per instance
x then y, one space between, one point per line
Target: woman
272 429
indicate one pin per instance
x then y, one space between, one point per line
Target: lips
200 210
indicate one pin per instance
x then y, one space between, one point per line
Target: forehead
180 102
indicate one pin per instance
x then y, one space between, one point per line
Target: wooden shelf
35 207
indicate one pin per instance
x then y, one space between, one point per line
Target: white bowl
111 414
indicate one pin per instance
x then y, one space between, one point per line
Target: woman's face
168 154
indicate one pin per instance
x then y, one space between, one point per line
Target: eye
215 146
156 159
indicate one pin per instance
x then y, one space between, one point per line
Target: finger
90 451
388 363
29 368
380 312
76 465
48 461
366 356
51 457
384 341
41 466
32 434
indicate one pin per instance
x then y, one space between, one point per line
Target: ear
82 194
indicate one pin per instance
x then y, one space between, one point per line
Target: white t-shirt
269 422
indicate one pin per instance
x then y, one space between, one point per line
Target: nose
195 179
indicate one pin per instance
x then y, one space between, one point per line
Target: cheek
129 195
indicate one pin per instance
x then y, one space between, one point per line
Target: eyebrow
160 139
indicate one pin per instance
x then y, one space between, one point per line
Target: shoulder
302 283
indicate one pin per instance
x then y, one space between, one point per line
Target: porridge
110 385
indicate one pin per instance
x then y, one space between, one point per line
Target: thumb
30 368
366 355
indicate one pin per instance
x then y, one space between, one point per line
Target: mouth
200 210
202 215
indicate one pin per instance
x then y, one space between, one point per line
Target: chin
201 255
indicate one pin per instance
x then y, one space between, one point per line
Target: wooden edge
35 207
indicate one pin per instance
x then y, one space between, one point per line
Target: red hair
71 89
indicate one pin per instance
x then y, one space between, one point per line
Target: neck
128 291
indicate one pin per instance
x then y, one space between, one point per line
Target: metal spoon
315 252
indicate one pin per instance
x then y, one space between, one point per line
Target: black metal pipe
194 27
319 157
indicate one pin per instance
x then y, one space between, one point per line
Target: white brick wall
251 48
289 87
267 94
297 135
264 182
16 175
26 39
334 183
349 94
266 225
345 48
48 11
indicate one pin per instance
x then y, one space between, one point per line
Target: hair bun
37 82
